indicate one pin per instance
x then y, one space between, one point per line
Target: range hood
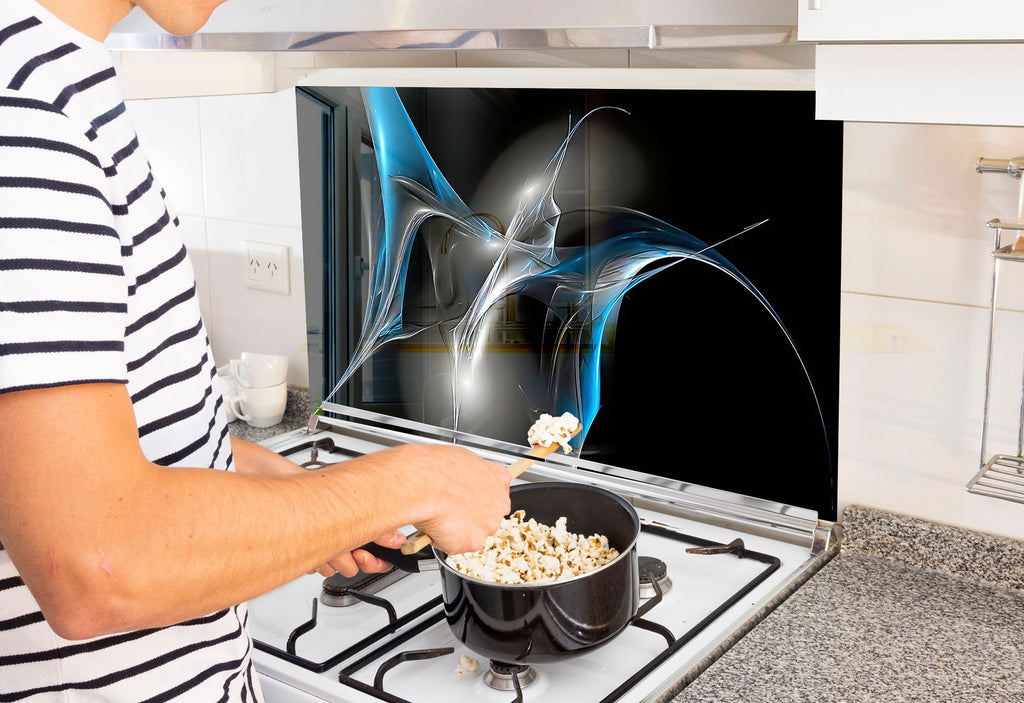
359 25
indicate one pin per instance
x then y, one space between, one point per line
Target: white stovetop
700 584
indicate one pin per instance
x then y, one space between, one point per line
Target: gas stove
713 564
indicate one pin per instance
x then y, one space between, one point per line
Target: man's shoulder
32 127
28 115
42 71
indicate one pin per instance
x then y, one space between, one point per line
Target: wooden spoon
418 540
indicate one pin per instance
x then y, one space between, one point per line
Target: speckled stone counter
296 415
908 611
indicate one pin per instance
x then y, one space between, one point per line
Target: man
124 555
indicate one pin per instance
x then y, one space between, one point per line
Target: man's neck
94 18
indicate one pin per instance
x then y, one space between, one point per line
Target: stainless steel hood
362 25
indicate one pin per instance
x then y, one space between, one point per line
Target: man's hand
464 497
468 497
351 563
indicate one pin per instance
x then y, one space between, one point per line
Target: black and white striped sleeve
63 290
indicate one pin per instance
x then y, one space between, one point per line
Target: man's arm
107 541
253 459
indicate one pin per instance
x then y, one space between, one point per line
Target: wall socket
265 267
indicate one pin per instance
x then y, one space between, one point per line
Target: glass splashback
662 264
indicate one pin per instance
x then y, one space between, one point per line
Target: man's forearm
239 536
110 542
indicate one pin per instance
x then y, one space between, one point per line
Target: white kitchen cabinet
956 83
920 61
910 20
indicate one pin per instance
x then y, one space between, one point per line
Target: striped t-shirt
95 286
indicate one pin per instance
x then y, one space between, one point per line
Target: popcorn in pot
525 551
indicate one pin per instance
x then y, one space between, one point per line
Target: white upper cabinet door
910 20
940 83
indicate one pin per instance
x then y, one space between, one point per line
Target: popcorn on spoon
545 436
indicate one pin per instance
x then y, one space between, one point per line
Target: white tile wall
253 320
917 279
168 130
914 209
230 168
250 158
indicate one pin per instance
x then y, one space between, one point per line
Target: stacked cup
262 391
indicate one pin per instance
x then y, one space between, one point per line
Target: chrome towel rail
1002 475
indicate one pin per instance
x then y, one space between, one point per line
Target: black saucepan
544 622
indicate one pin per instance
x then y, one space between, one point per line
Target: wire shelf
1002 476
1007 253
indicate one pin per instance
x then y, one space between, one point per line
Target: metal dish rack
1001 475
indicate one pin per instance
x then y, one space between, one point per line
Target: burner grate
772 565
321 667
432 613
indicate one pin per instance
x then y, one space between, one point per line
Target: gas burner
340 591
653 568
318 446
502 677
314 463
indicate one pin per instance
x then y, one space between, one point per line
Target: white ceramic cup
259 370
260 407
228 388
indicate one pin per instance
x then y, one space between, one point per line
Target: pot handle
423 560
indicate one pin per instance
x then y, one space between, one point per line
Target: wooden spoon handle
418 540
536 452
415 542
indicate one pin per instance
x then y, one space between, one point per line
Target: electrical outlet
265 267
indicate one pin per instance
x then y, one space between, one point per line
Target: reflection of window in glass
369 210
370 207
316 125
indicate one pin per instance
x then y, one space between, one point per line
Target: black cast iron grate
410 625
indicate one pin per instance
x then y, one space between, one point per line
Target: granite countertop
908 610
296 415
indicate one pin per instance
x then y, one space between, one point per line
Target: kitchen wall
230 167
916 283
917 276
